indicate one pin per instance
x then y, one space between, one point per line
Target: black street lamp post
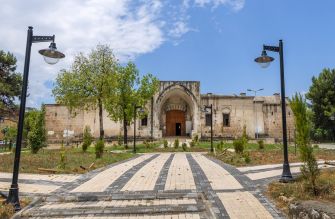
211 108
135 112
51 56
255 110
264 60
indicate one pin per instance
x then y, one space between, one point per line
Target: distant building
177 110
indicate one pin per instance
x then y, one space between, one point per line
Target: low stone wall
312 210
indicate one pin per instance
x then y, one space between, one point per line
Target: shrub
99 148
176 143
192 143
62 162
87 138
146 144
245 137
309 170
260 144
196 139
184 146
165 143
220 145
239 146
119 140
35 127
247 158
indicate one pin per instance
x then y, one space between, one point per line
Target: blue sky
221 51
212 41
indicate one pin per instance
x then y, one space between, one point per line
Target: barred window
226 120
144 121
208 119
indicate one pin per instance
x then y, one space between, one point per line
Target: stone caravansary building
177 109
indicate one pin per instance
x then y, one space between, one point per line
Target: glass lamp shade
264 60
51 55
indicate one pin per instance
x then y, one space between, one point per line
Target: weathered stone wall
242 111
185 95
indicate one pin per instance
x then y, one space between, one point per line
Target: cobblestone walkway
167 185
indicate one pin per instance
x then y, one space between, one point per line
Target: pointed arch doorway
175 123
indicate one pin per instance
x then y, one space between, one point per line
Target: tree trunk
101 120
125 132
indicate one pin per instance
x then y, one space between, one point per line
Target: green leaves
35 126
322 96
99 80
130 90
10 81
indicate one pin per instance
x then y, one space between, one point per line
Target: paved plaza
166 185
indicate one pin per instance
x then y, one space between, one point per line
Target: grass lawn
271 154
50 159
285 193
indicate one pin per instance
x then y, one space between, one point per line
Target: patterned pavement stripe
204 186
51 177
180 176
218 177
141 216
146 178
160 183
270 166
105 178
277 172
30 188
119 203
243 205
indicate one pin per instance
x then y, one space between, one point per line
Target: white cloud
130 27
235 4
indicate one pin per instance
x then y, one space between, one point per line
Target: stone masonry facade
177 109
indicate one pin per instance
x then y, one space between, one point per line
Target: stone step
109 211
139 207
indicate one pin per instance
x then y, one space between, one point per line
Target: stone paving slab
30 188
47 177
243 205
270 166
105 178
218 177
180 176
147 176
277 172
166 185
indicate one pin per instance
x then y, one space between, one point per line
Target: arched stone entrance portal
175 123
177 108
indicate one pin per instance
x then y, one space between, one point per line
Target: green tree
310 168
322 96
87 138
36 133
88 82
10 81
131 90
10 136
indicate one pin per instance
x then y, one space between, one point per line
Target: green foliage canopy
130 90
10 81
35 127
322 96
88 82
310 168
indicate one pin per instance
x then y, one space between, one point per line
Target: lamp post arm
40 39
271 48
